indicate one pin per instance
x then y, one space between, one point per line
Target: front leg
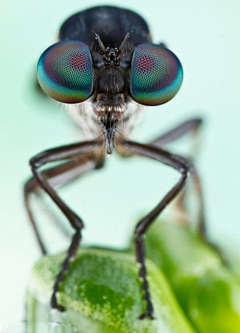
192 126
62 154
57 176
184 167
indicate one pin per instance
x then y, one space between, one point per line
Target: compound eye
65 73
156 74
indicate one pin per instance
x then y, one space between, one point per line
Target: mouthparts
109 120
109 139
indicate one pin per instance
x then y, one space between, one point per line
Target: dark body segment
111 23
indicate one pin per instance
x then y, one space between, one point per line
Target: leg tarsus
147 314
140 253
65 267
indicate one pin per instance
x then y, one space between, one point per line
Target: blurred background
205 36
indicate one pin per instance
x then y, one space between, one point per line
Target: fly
104 69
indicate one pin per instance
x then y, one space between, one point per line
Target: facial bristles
110 108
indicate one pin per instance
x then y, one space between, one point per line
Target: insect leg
181 165
191 125
58 176
53 155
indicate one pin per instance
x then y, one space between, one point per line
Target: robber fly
104 69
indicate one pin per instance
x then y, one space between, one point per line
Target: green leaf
208 292
102 293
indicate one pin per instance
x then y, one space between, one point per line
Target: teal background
205 36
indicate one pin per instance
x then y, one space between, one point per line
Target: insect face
109 102
110 77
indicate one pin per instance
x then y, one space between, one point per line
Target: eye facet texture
64 71
156 74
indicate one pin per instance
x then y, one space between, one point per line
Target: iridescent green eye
156 74
65 72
